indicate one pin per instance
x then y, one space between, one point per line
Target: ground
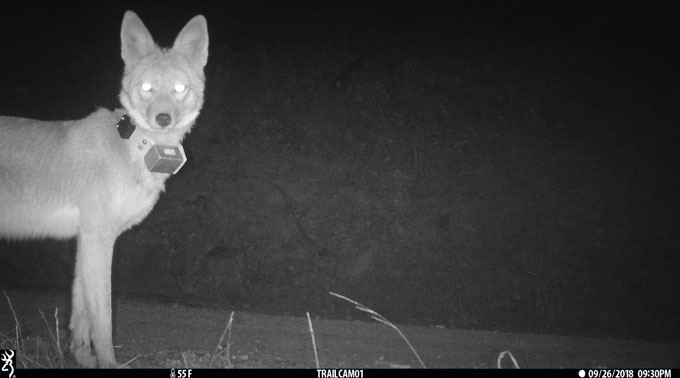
163 335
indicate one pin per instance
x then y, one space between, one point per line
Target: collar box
165 159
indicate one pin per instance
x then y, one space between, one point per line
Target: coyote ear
136 41
192 41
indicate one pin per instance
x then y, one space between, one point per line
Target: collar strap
159 158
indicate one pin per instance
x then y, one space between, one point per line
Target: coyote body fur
73 174
81 179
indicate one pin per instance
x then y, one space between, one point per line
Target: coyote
95 178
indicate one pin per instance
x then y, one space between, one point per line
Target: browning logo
7 357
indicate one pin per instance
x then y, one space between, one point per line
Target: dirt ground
165 335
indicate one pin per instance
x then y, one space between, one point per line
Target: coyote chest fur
86 179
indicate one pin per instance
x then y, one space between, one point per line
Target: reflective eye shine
146 87
179 88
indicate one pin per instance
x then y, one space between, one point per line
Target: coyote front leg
91 311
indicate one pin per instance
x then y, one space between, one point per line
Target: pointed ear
192 41
136 41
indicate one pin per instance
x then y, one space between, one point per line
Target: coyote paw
84 357
113 365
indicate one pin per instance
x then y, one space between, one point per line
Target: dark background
483 165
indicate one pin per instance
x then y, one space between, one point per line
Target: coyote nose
163 119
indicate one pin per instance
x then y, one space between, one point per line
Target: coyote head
162 88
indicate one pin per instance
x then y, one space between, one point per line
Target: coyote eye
146 87
179 88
